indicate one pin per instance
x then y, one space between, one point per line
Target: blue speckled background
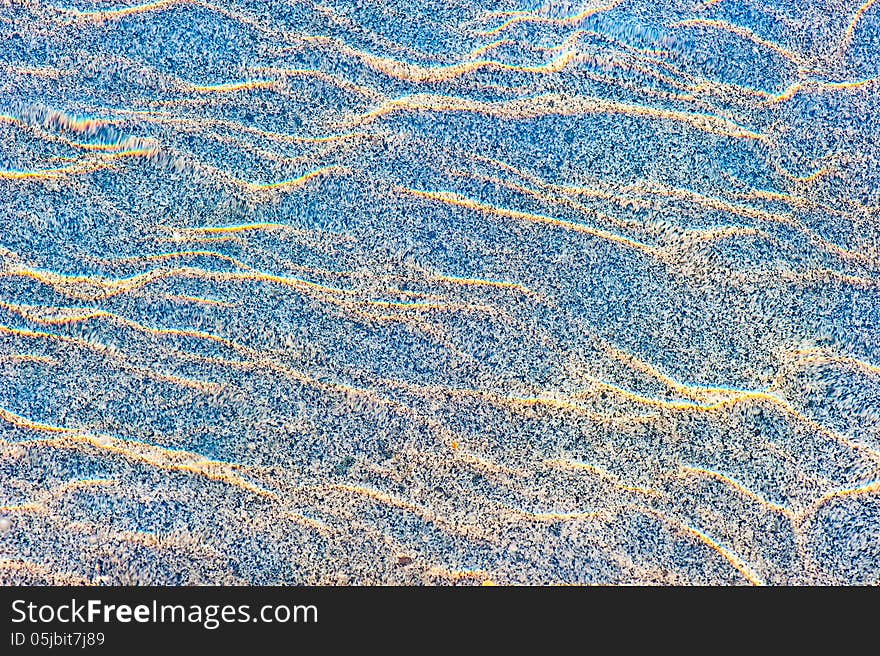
436 292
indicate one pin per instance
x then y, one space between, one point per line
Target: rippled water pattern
437 292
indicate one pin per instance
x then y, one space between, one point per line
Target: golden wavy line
204 239
692 238
199 300
157 456
268 226
218 232
739 487
229 87
41 504
88 288
466 530
521 403
773 196
323 76
556 104
110 14
264 362
482 50
24 422
258 188
86 165
694 392
294 183
517 403
756 214
92 289
315 271
570 46
457 200
804 179
308 522
119 359
745 33
481 463
733 397
176 539
483 282
460 575
619 196
812 86
728 397
28 508
47 72
129 144
546 193
867 489
544 196
415 73
61 315
846 42
734 560
163 257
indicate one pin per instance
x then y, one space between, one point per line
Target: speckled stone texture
419 292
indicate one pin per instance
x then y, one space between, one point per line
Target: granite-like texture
430 292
